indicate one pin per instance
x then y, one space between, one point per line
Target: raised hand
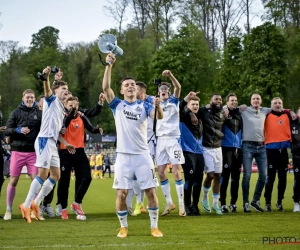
166 73
58 76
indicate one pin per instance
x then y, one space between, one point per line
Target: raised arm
46 82
176 84
158 109
108 92
92 112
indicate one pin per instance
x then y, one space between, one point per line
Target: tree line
209 45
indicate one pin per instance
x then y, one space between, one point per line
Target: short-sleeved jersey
150 133
131 125
169 125
52 118
99 160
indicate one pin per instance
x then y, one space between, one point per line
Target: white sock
137 190
9 208
142 195
153 214
129 198
35 186
45 190
166 189
206 191
122 215
215 199
179 190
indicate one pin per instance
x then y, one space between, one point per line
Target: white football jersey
52 118
169 125
131 125
150 133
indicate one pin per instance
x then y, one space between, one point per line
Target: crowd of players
212 139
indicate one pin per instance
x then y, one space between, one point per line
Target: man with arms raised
45 146
133 152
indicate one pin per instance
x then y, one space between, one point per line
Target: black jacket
196 130
90 112
212 120
23 117
106 161
295 128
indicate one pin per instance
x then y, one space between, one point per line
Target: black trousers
80 163
296 168
278 161
1 168
193 174
109 171
232 163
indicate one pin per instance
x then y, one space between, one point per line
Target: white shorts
128 165
213 160
152 146
46 153
169 151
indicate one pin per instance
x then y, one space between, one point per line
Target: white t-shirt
52 118
131 125
169 125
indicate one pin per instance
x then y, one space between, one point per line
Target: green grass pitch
209 231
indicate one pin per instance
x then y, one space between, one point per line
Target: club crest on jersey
280 122
35 117
294 131
138 109
221 115
76 126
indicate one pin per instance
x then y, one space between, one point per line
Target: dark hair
127 78
57 84
72 98
165 83
40 97
142 85
214 95
229 95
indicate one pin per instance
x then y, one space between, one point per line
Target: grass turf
209 231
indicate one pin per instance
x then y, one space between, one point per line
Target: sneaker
182 212
64 214
156 233
217 209
25 213
206 206
247 208
49 211
143 209
279 207
76 208
7 215
137 209
233 208
58 210
296 207
256 206
36 210
123 232
268 208
168 209
224 209
41 213
131 211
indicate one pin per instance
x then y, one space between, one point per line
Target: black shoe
224 209
233 208
196 211
268 208
279 207
256 206
189 210
247 208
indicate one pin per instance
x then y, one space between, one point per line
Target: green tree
44 51
229 76
264 63
188 56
